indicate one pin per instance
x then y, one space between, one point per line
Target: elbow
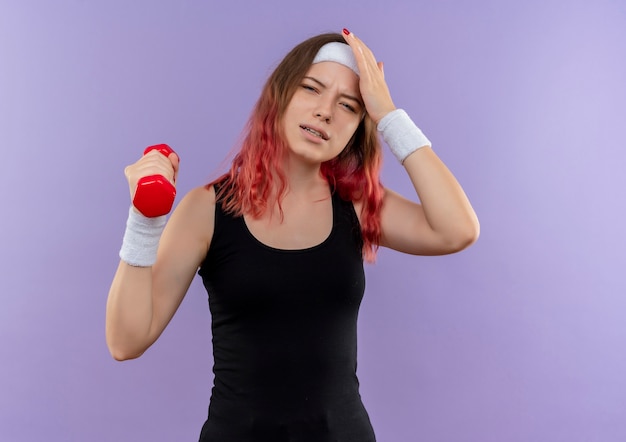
123 352
121 355
466 237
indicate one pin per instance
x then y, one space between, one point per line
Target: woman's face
323 113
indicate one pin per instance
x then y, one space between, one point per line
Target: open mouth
318 134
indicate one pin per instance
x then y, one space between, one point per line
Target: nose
323 110
323 117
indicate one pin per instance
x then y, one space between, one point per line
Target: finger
359 47
355 45
153 164
155 158
366 61
174 160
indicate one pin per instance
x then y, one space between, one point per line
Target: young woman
280 242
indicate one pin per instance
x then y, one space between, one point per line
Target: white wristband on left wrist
401 134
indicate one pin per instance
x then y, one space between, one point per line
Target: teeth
314 132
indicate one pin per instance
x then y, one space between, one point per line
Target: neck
302 177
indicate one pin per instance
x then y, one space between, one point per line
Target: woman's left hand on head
374 90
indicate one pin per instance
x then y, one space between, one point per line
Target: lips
315 131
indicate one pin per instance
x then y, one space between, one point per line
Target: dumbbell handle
155 195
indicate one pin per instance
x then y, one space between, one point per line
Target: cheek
350 130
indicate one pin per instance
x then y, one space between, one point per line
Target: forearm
446 207
129 311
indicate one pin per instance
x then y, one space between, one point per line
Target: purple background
520 338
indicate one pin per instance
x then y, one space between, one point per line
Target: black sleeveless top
284 328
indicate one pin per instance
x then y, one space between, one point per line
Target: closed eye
349 107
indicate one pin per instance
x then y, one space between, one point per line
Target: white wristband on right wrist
401 134
141 239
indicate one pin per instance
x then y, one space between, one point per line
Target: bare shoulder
199 198
198 202
194 217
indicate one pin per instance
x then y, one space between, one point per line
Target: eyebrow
351 97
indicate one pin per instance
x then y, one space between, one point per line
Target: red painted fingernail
346 32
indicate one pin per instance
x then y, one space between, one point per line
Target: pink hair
256 178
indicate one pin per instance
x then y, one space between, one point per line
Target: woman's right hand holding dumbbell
152 189
152 179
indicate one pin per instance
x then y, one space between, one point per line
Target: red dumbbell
155 195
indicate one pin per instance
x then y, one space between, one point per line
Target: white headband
339 53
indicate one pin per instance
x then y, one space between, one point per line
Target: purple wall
520 338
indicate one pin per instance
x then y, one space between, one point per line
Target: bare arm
143 300
443 223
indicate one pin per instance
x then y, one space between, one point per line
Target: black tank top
284 326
